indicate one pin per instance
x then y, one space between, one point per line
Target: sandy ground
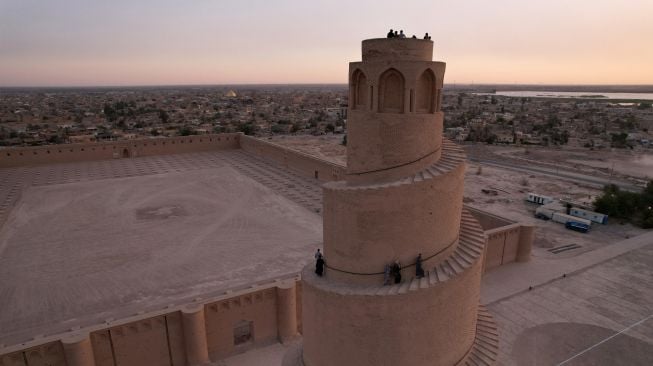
512 188
601 315
78 252
622 163
327 147
640 165
265 356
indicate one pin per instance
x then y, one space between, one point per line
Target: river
583 95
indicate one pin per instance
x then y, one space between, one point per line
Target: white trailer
564 218
544 213
589 215
539 199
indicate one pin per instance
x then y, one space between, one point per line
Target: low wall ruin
506 241
66 153
305 164
190 334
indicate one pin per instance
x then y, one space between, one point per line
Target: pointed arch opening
391 92
359 89
425 102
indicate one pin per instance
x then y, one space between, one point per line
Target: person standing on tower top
401 34
391 34
426 36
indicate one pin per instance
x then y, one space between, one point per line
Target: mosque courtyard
86 242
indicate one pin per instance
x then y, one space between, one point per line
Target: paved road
559 173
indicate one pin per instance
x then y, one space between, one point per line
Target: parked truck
544 213
569 220
589 215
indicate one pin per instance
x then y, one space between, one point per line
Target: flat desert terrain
511 186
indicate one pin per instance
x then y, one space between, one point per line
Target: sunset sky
154 42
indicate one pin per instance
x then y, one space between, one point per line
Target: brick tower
402 196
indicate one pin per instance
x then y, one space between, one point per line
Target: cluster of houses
40 117
544 121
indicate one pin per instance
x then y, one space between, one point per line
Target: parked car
577 226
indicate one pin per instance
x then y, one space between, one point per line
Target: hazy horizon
645 88
76 43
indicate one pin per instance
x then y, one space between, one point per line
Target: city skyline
76 43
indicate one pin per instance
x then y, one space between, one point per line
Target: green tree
247 128
630 206
277 129
559 137
55 139
110 113
163 116
187 131
619 140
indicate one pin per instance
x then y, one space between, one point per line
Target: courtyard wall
304 164
229 324
66 153
506 241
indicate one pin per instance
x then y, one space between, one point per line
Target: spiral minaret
402 196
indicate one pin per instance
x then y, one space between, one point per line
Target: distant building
82 138
505 137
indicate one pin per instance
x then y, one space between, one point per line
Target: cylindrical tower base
287 312
197 352
78 350
425 321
